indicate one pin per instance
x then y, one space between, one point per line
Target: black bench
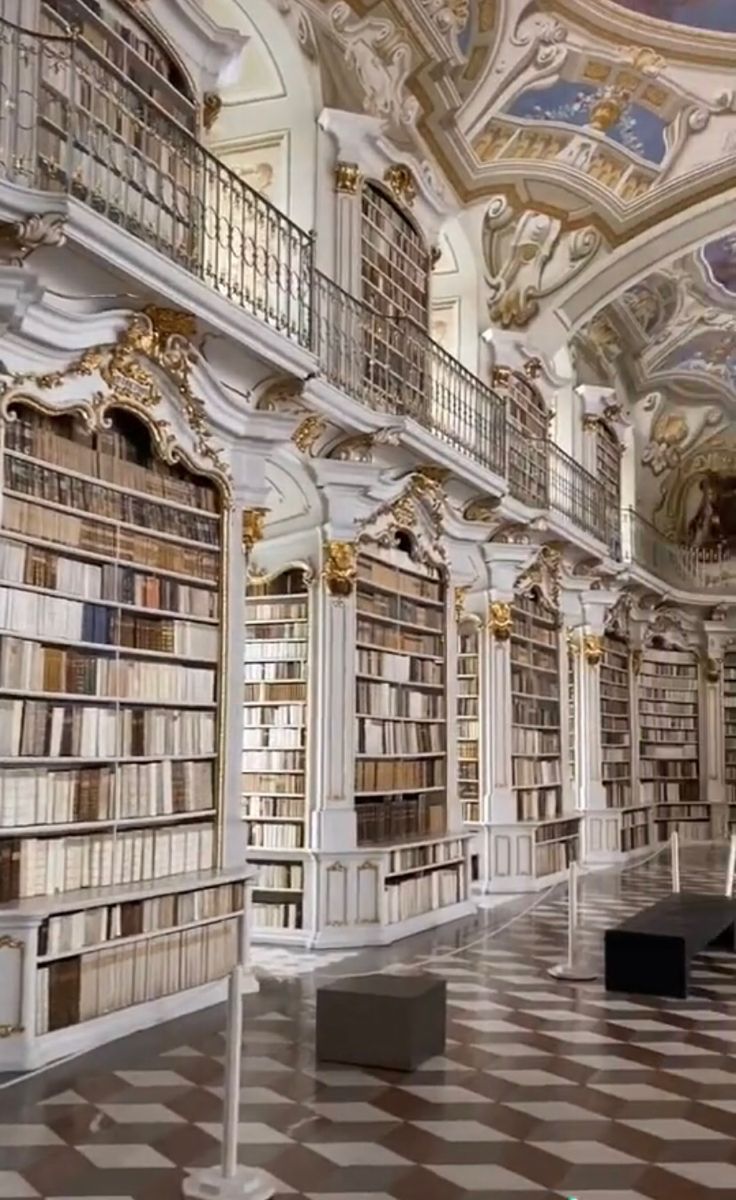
391 1021
650 954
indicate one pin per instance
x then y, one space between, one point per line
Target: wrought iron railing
393 366
691 568
71 122
543 475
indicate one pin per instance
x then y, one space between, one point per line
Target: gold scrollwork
340 567
500 620
253 522
308 433
402 183
347 178
211 108
593 648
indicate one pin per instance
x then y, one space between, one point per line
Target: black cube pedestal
391 1021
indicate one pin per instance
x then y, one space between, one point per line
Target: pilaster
712 708
347 226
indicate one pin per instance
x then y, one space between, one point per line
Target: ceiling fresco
718 16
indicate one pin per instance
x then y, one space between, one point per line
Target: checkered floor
547 1090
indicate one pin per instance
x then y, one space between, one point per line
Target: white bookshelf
111 565
615 692
468 722
274 766
669 768
729 733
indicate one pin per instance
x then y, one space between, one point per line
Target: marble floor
547 1089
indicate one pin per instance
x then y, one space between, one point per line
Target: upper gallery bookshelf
275 743
615 692
536 740
669 742
110 586
468 722
729 732
400 692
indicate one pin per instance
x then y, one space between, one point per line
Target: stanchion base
576 974
248 1183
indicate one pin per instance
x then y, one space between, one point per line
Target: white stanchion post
675 850
229 1181
731 866
572 969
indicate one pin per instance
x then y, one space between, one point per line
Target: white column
712 741
347 226
595 607
332 715
454 808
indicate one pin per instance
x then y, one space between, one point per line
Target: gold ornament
341 567
593 648
501 376
211 108
500 620
400 180
347 178
712 668
308 432
253 522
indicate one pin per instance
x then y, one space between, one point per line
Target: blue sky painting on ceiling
711 353
720 260
716 15
639 130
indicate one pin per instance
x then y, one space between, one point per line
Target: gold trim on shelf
593 648
253 522
500 620
347 178
340 567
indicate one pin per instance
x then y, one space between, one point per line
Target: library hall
367 599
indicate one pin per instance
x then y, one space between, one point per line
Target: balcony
72 124
687 568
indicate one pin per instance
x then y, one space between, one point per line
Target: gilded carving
482 509
636 656
712 668
18 239
593 648
460 595
359 447
253 524
500 620
400 179
308 433
347 178
340 567
211 109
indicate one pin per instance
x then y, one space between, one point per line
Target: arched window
395 263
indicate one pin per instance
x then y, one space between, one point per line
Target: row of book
553 857
73 990
268 632
663 792
109 581
540 804
39 729
421 894
291 671
618 793
108 455
399 668
270 692
412 580
388 775
273 716
272 760
666 700
535 630
402 611
31 666
657 717
373 633
467 706
527 682
468 730
687 831
83 495
262 783
280 876
411 858
612 722
399 737
70 931
392 701
535 713
471 810
664 668
400 819
111 541
616 763
534 741
281 836
45 866
123 792
277 916
273 737
536 772
289 611
43 616
269 650
279 807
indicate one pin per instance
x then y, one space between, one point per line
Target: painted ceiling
719 16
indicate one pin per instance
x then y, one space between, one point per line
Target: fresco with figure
714 520
716 15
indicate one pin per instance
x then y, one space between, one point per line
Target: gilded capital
347 178
500 620
712 668
211 108
593 648
340 567
253 522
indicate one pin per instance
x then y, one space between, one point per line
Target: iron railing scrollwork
696 568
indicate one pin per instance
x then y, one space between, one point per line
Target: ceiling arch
718 16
